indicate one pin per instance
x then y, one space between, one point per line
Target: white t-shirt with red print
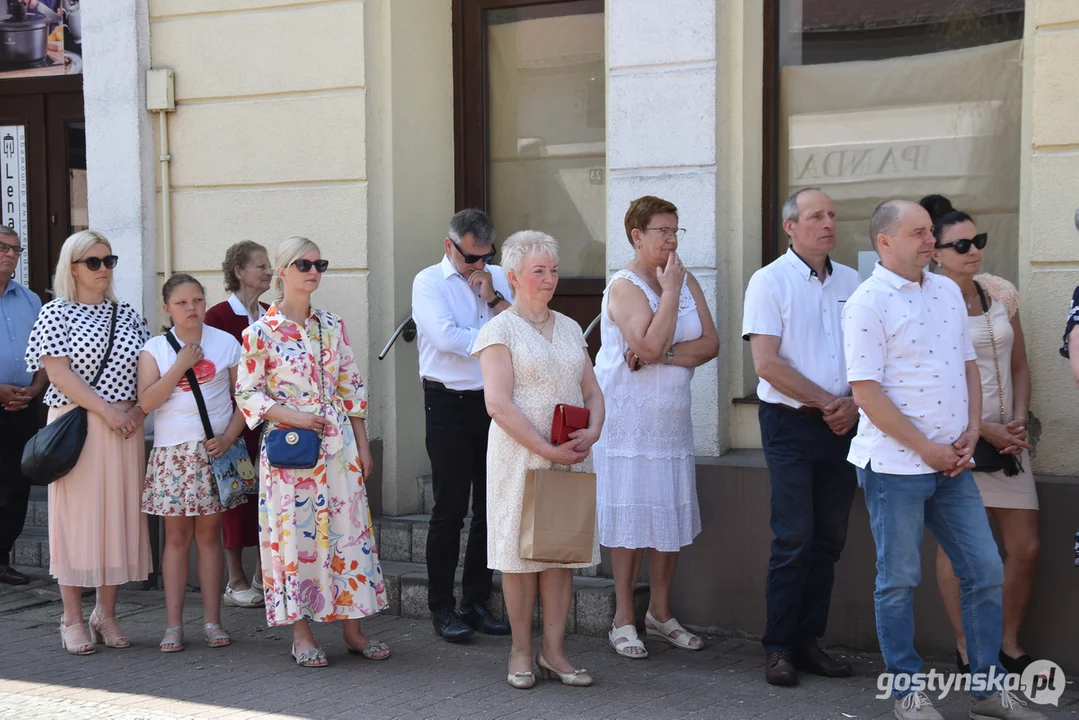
177 421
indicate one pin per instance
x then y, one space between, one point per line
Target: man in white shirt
451 301
793 309
911 365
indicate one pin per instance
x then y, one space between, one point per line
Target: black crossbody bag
54 450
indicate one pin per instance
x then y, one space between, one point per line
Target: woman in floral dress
318 550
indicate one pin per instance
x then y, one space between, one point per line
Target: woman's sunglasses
963 246
93 264
469 259
306 265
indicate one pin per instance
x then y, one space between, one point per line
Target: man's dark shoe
814 660
480 619
779 670
450 626
11 576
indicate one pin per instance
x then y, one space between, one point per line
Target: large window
875 99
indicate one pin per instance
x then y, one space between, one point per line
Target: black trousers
16 428
457 425
813 487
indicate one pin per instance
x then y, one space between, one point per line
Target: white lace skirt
646 502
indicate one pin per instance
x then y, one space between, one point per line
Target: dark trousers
16 428
457 425
812 490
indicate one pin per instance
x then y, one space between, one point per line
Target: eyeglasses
306 265
94 264
963 246
667 233
469 259
5 248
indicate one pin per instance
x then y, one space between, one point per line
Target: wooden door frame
60 109
29 111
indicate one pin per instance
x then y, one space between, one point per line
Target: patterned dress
318 551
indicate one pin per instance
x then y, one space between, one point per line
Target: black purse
54 450
986 457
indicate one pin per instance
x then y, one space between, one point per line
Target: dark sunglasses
94 264
963 246
306 265
469 259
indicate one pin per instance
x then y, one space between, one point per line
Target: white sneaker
1002 706
916 706
249 598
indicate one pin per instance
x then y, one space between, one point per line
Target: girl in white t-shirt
179 476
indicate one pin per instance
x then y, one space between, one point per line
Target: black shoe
963 667
480 619
814 660
449 626
11 576
1015 665
779 670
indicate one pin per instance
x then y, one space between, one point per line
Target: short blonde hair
523 243
77 245
287 253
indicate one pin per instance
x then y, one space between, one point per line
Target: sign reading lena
13 191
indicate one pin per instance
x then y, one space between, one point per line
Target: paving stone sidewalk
424 678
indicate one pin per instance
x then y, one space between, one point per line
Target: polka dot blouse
80 333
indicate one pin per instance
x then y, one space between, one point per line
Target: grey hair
884 219
5 230
523 243
287 253
790 208
475 223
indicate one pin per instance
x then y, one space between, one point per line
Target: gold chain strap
993 343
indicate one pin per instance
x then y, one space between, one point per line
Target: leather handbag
234 473
296 448
567 418
986 456
54 450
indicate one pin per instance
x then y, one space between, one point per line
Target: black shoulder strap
981 296
195 389
108 348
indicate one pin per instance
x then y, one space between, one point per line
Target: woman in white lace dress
656 328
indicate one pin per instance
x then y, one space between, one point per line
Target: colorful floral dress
318 550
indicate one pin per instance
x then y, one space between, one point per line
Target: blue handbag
294 447
234 473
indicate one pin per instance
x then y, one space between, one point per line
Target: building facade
554 115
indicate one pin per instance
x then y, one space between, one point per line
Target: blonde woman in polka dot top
97 533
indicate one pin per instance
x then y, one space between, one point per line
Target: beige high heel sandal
107 630
74 639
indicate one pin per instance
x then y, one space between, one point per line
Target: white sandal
625 637
671 632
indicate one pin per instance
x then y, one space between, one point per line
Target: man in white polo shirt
911 365
451 301
792 317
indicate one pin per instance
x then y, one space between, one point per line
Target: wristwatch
670 355
498 298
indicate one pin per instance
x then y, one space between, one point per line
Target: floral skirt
180 482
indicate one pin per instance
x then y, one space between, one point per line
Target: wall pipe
166 205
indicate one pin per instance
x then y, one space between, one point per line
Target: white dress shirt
237 306
913 339
449 313
788 300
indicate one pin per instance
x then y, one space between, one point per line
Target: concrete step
37 513
427 493
591 611
404 539
32 547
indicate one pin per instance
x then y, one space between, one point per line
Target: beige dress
998 490
545 373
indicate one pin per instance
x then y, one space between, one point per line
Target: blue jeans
900 508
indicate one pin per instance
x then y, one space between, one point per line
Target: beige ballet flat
521 680
577 678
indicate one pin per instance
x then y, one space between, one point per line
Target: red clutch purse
567 418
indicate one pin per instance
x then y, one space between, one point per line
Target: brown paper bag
558 517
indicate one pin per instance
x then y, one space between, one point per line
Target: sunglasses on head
469 259
963 246
306 265
94 263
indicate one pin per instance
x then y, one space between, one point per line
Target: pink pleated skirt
97 531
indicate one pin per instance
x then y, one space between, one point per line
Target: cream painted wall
1048 241
268 138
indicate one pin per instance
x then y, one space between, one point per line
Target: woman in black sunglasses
1006 486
